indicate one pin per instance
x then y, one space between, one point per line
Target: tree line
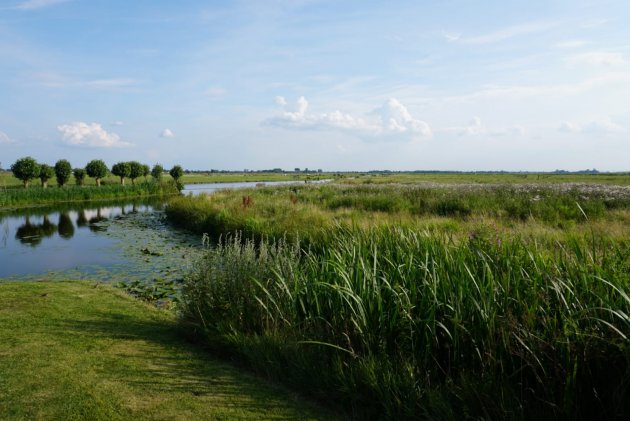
27 169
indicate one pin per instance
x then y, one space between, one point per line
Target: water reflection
95 220
33 226
65 227
64 237
32 234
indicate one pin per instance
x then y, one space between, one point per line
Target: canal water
107 241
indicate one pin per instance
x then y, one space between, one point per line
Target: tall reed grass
40 196
399 324
307 209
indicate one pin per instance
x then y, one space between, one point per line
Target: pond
106 241
126 240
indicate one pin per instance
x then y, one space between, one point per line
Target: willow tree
25 169
97 170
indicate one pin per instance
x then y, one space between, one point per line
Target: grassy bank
84 351
7 180
532 210
40 196
409 302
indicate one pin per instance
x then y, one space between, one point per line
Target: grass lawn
77 350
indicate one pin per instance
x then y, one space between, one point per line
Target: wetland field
423 300
398 296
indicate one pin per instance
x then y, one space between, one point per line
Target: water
108 241
196 189
101 241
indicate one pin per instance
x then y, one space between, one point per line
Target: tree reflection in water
65 227
33 234
94 222
82 220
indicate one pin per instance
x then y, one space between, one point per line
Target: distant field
622 179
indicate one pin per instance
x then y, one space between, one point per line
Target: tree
136 171
63 171
46 172
156 172
176 172
79 175
25 169
146 170
97 170
122 170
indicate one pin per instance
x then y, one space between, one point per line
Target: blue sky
354 85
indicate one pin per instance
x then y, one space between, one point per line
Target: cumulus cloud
167 133
5 139
390 121
597 58
89 135
600 126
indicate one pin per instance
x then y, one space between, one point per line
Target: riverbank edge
96 194
77 349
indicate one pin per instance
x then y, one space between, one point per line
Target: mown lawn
77 350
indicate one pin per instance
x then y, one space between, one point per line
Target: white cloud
597 58
89 135
601 126
5 139
509 32
118 123
167 133
477 128
391 121
38 4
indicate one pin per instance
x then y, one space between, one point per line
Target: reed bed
304 210
40 196
393 323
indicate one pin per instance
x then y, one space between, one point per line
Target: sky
338 85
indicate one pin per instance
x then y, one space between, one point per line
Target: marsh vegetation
433 302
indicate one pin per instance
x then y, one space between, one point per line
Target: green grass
397 324
429 302
13 197
622 178
304 210
75 350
